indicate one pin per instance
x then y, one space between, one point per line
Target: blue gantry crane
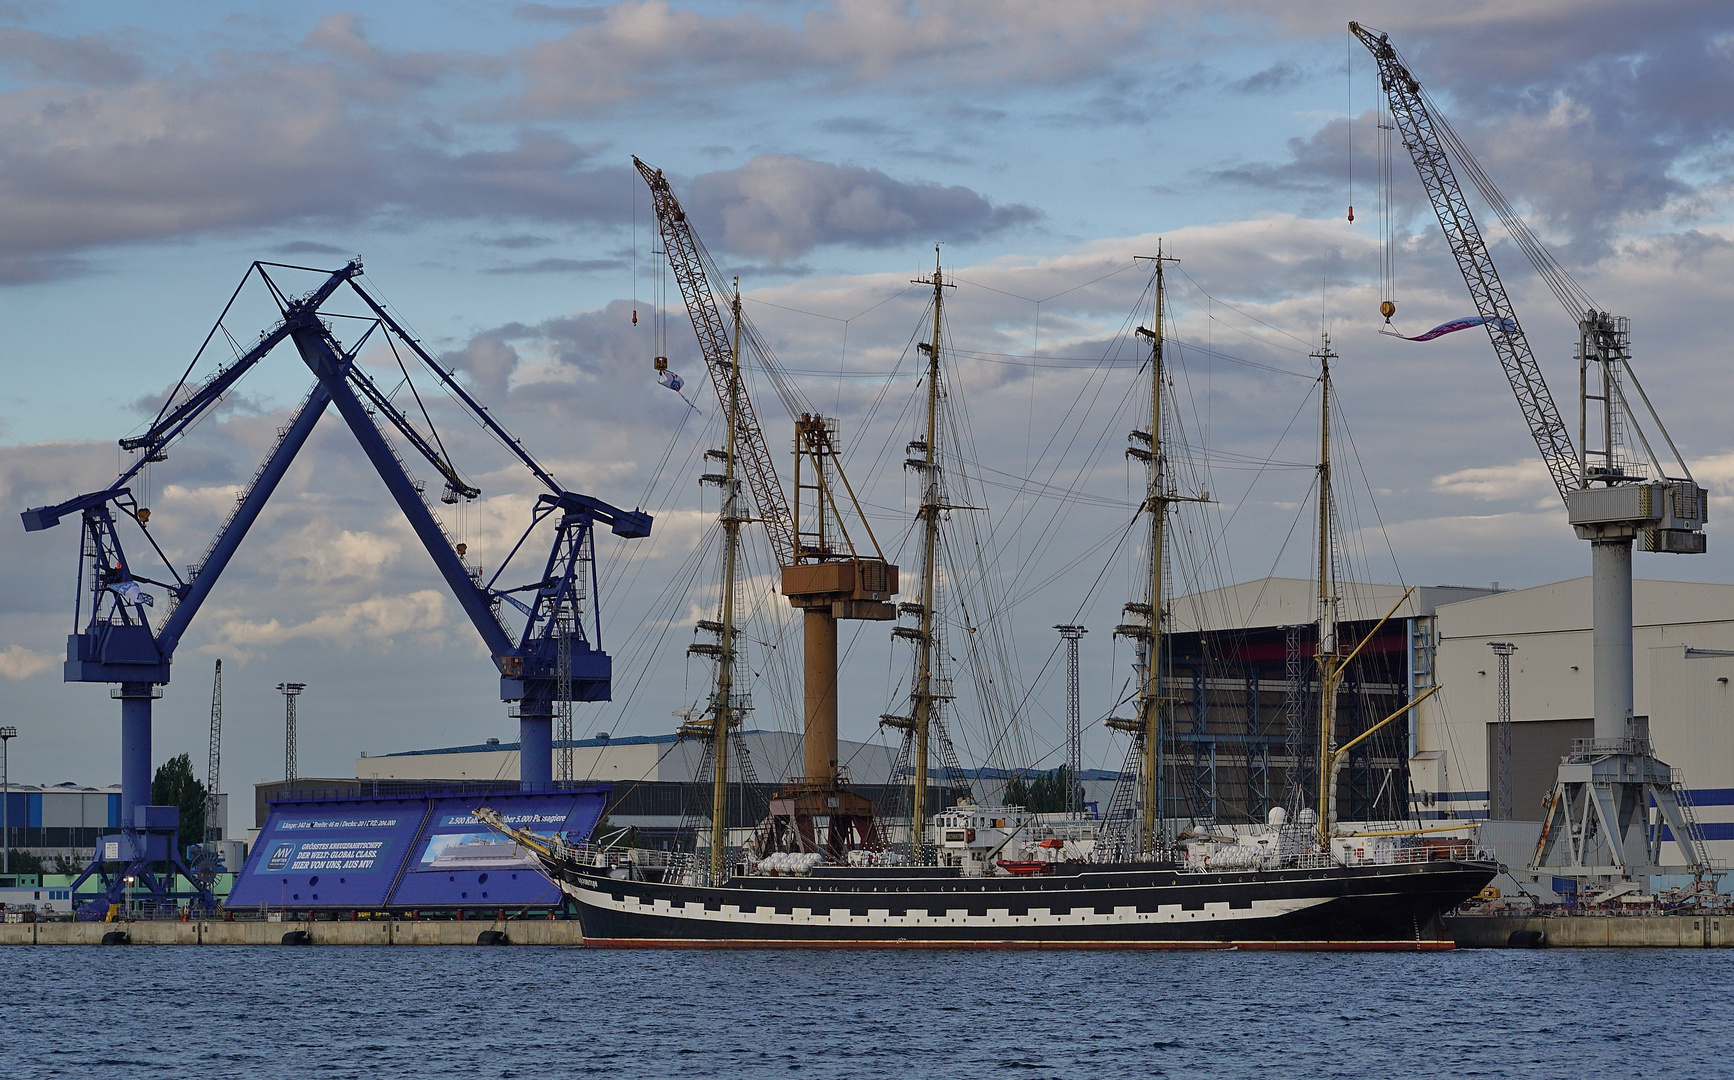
556 654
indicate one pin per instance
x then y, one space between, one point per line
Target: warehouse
1443 758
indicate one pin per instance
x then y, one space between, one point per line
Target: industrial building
64 820
61 821
1243 736
1244 668
1244 692
653 776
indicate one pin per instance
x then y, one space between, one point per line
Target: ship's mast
1329 660
1144 623
1156 499
723 702
922 713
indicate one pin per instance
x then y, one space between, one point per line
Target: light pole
127 913
291 767
7 734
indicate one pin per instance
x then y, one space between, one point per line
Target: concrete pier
1593 931
367 932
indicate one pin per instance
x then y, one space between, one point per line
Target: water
383 1013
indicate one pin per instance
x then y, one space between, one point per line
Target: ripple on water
378 1014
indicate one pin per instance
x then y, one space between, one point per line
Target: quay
1591 931
528 931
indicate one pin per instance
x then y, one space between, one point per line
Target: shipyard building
1242 683
653 781
1245 694
63 821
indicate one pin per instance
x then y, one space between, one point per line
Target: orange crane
824 573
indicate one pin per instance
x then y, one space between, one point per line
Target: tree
175 785
1046 794
25 863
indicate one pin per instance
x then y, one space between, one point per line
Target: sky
477 157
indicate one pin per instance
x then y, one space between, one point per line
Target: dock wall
1593 931
379 932
1469 931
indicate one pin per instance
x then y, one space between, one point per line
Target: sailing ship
822 872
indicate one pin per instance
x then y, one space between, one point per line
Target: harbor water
380 1014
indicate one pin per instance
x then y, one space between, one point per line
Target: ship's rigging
980 575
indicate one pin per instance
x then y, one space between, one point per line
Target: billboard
427 851
458 861
329 854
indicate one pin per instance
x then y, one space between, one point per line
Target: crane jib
1415 123
687 259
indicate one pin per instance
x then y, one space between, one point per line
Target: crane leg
1612 591
135 749
535 746
819 629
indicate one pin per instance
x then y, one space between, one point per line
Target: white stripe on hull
1165 914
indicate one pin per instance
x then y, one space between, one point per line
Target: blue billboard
329 854
458 861
396 852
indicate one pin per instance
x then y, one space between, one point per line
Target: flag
130 593
1507 325
676 383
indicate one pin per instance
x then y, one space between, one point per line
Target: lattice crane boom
1421 135
213 777
687 258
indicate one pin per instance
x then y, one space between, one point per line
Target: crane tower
1618 486
825 574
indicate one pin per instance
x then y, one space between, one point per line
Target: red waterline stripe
1164 946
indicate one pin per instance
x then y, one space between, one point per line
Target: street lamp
129 880
7 734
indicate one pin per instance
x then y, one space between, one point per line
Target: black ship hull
1078 906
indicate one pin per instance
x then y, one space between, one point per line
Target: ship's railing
1592 748
1230 859
614 857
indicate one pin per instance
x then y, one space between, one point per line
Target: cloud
1621 101
90 59
259 141
17 662
560 266
1275 79
1527 479
309 247
778 206
636 49
315 554
380 619
488 359
516 242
